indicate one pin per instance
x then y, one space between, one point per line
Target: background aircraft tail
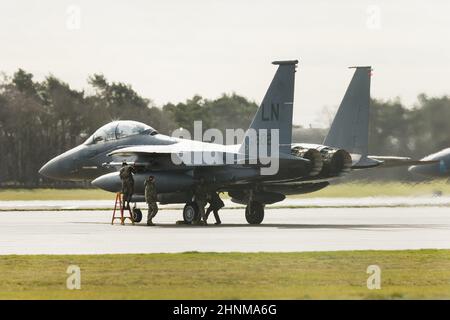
275 111
350 127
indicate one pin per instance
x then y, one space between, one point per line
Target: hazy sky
170 50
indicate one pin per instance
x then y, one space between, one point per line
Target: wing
187 152
179 147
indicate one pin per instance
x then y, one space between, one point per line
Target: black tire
137 215
254 212
191 213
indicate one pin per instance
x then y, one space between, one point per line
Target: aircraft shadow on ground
282 226
304 226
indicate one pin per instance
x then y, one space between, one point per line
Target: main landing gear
254 212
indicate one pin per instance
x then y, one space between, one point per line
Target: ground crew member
150 198
200 199
215 204
126 176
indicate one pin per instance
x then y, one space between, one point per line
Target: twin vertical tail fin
275 111
350 127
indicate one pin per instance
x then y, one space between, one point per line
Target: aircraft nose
51 169
64 166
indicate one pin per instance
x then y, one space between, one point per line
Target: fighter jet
179 164
439 168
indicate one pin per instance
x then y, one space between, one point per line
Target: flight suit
150 198
215 204
200 199
126 176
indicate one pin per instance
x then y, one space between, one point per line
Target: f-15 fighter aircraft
261 170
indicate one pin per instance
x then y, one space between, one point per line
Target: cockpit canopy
118 130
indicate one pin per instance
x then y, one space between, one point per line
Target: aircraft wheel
191 213
254 212
137 215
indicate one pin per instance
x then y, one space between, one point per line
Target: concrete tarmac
14 205
283 230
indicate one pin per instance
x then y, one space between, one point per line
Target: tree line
41 119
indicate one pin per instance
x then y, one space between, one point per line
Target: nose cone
62 167
52 169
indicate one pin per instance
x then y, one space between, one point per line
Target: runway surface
291 202
283 230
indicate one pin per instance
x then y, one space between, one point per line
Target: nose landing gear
136 214
191 213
